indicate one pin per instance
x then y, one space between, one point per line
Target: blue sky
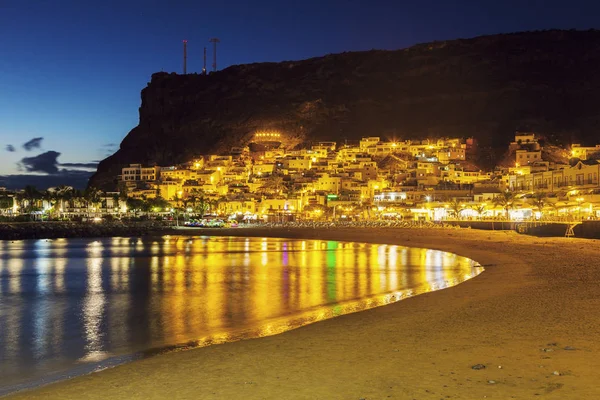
71 71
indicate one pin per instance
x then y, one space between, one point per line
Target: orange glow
198 291
267 135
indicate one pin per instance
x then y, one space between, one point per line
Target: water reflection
67 302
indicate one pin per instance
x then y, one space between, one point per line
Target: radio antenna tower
185 57
204 65
214 41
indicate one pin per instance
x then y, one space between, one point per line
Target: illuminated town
373 179
275 200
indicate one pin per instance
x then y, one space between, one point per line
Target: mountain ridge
484 87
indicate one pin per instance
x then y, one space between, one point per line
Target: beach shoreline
535 302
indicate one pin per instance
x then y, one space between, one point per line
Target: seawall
51 230
584 230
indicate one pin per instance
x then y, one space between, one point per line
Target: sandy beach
532 319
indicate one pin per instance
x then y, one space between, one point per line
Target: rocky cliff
486 87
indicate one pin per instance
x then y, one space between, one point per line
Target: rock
556 373
499 366
491 382
182 116
547 350
570 348
478 366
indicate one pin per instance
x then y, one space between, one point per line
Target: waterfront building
578 151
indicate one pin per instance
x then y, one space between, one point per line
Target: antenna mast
214 41
185 57
204 65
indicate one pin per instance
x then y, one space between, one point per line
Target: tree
176 199
194 196
116 198
6 202
506 200
274 184
481 209
93 196
51 198
539 200
31 195
135 205
123 191
456 207
202 205
63 193
78 199
158 204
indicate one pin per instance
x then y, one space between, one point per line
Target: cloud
90 165
34 143
47 172
45 162
10 148
110 145
77 179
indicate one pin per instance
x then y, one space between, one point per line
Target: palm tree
539 200
63 193
92 195
79 199
123 192
456 207
176 199
20 201
116 198
506 200
51 198
31 195
194 196
6 203
481 209
203 205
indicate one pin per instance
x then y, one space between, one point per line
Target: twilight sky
71 71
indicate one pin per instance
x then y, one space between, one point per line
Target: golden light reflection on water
66 301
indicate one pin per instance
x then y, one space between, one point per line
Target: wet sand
534 312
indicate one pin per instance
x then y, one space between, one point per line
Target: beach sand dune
532 319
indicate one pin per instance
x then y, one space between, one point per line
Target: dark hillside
486 87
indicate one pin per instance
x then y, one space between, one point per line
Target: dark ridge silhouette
486 87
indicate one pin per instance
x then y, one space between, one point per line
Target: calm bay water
70 306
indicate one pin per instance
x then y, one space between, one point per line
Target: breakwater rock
50 230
